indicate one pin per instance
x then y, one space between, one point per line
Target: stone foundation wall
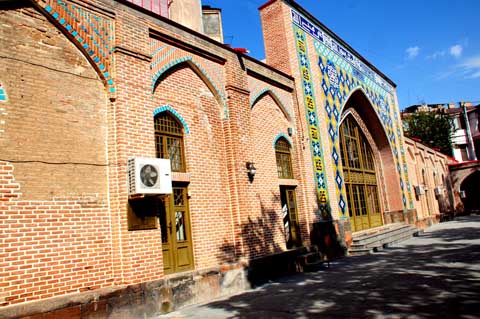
140 300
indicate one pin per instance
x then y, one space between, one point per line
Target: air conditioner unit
438 191
419 190
149 176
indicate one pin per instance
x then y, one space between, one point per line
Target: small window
169 141
284 160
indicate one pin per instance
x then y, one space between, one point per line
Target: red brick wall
54 216
66 224
280 52
267 122
55 120
185 92
276 27
420 157
137 254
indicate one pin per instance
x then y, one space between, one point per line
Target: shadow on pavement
436 275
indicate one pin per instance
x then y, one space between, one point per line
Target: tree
433 128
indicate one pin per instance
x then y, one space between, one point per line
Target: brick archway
92 33
469 189
274 97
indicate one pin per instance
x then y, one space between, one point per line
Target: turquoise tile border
325 212
171 110
341 74
279 136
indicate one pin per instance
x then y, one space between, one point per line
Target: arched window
284 159
169 140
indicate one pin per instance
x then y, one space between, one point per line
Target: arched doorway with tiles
370 178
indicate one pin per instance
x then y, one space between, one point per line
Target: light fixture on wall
251 171
290 131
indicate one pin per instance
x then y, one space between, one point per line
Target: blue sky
429 48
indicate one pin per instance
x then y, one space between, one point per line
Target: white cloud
412 52
436 55
468 69
471 67
456 50
475 75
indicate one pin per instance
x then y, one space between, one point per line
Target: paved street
436 275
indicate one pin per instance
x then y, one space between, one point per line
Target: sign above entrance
333 45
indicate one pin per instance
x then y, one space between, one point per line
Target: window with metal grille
284 160
169 141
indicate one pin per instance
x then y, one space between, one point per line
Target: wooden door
290 217
176 233
360 179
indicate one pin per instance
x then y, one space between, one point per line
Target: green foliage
434 129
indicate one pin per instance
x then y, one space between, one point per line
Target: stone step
375 240
354 251
399 240
310 260
382 232
386 238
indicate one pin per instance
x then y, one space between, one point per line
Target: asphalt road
435 275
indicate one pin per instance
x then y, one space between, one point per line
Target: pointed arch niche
359 108
275 98
91 31
187 62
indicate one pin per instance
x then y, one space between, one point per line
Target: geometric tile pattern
3 94
339 77
93 33
348 59
313 125
165 56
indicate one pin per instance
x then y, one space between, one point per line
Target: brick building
266 157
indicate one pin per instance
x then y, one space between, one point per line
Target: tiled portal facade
86 81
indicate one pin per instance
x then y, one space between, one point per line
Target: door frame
294 238
177 254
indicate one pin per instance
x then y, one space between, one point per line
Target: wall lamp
251 171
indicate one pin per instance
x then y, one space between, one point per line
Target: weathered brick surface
55 122
63 179
428 169
65 143
54 216
185 91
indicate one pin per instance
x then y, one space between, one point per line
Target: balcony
459 137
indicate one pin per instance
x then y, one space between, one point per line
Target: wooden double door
360 178
363 206
176 232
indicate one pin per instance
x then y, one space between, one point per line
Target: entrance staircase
310 259
376 239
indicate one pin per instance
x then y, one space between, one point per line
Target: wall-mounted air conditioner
149 176
419 190
438 191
